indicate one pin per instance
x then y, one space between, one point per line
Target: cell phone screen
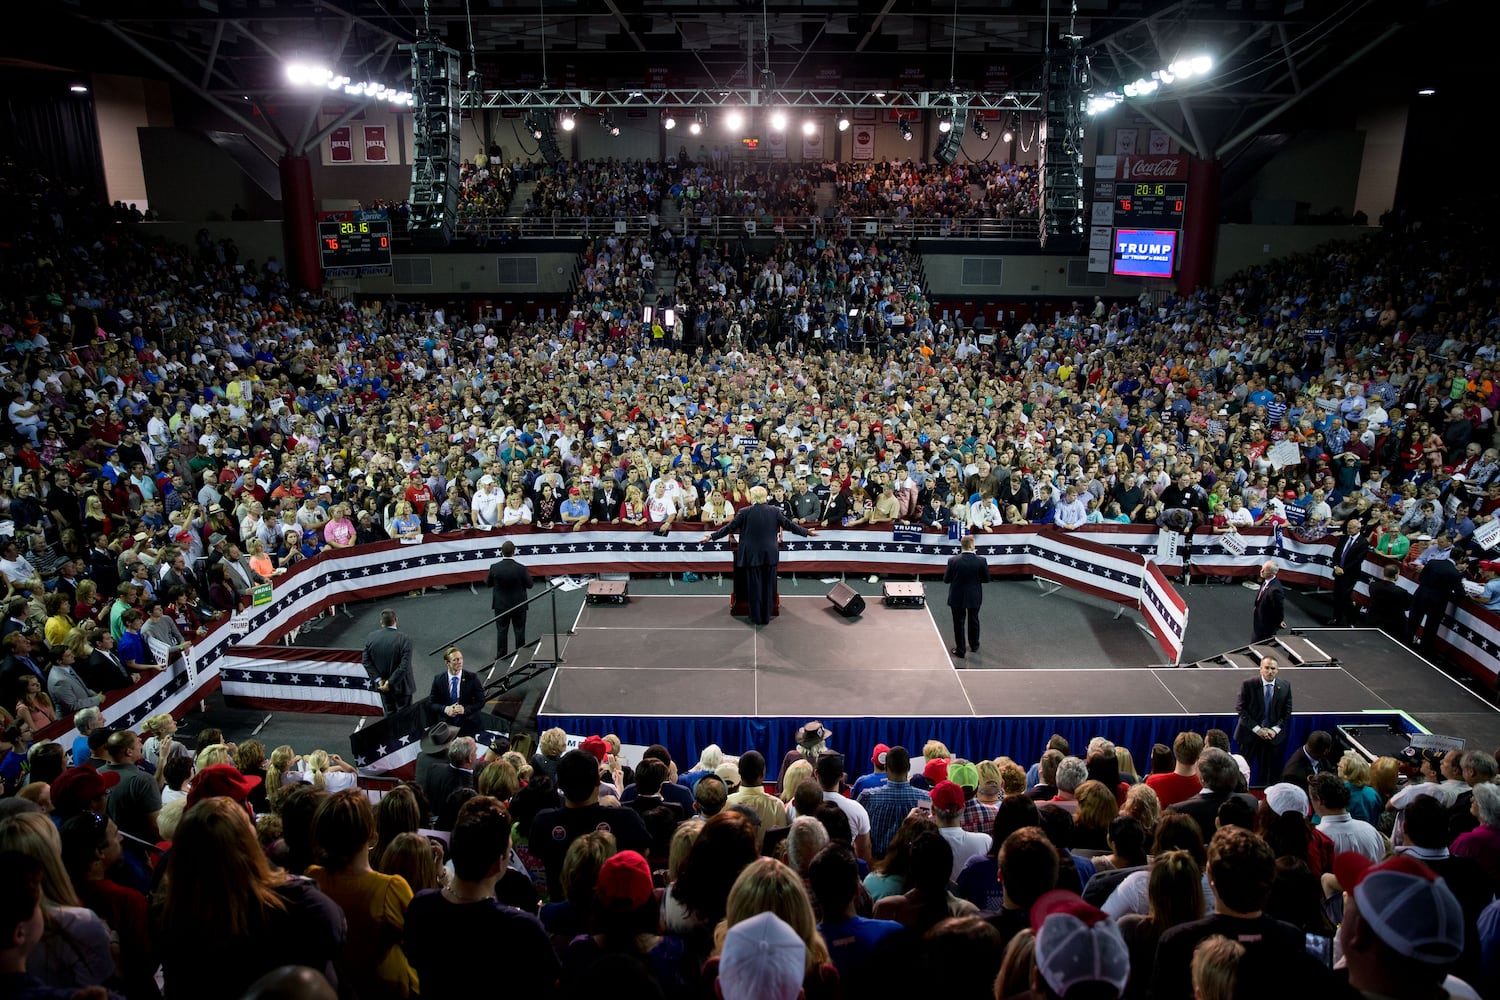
1321 948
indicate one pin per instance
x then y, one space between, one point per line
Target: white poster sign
1233 543
1283 453
812 145
776 142
1166 547
1125 141
1158 143
1487 534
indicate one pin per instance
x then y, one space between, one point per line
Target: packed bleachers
181 424
907 189
602 189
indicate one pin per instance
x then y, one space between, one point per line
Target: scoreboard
1149 204
358 242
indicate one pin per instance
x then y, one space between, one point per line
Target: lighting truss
836 100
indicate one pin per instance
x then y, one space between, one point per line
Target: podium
739 602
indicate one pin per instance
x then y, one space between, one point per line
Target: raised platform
683 670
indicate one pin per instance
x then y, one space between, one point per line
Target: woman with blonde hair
214 753
87 604
798 772
226 918
768 886
549 750
282 775
1127 766
75 950
329 772
34 709
260 560
498 780
1142 803
1364 801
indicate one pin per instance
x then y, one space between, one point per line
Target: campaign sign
1145 253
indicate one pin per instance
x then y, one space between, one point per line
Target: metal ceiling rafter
272 142
625 25
875 25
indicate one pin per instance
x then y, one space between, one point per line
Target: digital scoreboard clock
1149 204
354 243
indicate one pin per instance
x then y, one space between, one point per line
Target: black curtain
46 126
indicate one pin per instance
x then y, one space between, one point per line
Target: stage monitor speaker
846 600
607 592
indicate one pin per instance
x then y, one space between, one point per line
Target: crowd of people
599 189
141 867
957 191
182 425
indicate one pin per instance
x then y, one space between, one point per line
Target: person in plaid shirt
978 817
889 804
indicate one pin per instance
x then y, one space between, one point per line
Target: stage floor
685 657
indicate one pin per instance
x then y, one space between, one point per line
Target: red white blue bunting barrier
1470 635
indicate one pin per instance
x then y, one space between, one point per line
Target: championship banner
1125 141
776 143
864 142
341 145
299 679
1165 611
812 145
375 144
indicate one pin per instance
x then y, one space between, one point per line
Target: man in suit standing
457 693
1441 584
1348 557
1270 605
508 582
965 575
759 554
1265 710
387 661
1389 603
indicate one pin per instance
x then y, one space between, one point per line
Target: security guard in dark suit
508 582
387 661
965 576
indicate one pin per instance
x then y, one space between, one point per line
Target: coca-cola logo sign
1171 167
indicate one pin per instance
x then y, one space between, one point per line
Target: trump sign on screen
1145 253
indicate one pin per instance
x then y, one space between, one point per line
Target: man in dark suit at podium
508 582
457 694
1348 556
1265 711
965 576
759 551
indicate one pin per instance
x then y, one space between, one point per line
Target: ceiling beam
875 25
640 46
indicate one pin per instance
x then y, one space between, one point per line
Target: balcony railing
493 228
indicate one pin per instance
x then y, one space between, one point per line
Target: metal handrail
549 592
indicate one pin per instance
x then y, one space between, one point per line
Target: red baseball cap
76 787
222 779
877 756
936 770
596 746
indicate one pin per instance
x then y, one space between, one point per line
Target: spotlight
694 128
533 125
567 122
733 120
980 132
843 123
1424 92
809 128
778 120
79 88
608 124
945 126
905 128
1007 135
668 122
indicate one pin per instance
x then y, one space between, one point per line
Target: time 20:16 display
1150 204
361 243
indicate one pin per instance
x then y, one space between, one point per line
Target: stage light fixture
567 121
778 120
809 128
905 128
533 125
694 128
733 120
980 132
668 122
945 126
843 123
79 88
1007 136
608 124
1424 92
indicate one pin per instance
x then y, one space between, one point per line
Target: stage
681 670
